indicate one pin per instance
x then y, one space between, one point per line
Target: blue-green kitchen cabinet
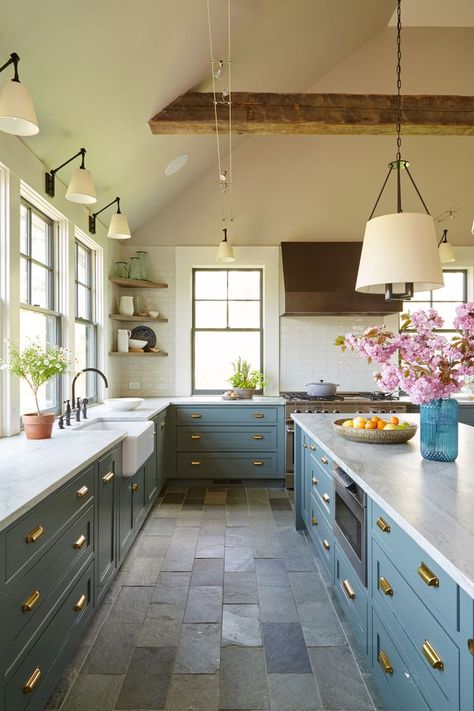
109 471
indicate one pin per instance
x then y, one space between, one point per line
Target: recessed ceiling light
176 164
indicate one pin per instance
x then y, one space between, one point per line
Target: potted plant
37 364
244 380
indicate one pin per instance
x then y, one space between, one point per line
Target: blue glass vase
439 430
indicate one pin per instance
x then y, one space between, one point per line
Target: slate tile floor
219 605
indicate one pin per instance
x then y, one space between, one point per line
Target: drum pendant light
225 252
17 113
118 227
446 252
400 250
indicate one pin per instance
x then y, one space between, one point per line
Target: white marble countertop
432 501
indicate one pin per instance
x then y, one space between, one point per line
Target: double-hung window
85 329
227 323
40 319
444 300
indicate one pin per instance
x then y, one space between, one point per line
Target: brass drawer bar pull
195 436
428 576
314 481
83 491
470 646
196 415
385 586
312 447
33 535
314 521
135 487
383 525
326 545
257 436
31 601
348 589
324 460
258 415
384 662
108 477
32 681
432 656
80 604
326 498
257 463
80 543
195 463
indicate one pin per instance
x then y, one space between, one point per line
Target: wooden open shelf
120 317
137 283
163 354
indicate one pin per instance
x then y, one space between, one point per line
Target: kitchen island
411 608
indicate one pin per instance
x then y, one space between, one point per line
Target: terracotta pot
38 426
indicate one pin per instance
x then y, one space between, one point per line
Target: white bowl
135 343
124 403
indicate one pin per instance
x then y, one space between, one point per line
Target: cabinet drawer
352 595
34 596
29 538
322 536
394 596
322 487
437 590
226 415
393 675
33 672
242 465
189 439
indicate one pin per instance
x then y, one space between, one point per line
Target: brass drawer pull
80 493
80 543
314 481
135 487
32 681
257 436
162 425
385 586
258 415
195 436
305 446
257 463
33 535
384 662
80 604
432 656
312 447
326 545
348 589
383 525
196 415
314 521
326 498
108 477
428 576
195 463
31 601
324 460
470 646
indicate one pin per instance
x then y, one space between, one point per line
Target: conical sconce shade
17 113
397 249
118 228
81 188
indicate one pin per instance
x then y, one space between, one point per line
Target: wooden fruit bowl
375 436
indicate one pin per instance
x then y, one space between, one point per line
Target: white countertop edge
447 565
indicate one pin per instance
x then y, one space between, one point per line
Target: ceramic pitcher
122 340
126 305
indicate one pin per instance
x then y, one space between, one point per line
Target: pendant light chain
399 79
229 66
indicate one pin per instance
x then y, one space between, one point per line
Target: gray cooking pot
321 389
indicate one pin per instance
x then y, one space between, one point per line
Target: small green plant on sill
244 378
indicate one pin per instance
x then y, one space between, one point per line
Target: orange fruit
370 425
375 418
394 420
381 424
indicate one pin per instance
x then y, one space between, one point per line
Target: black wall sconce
81 188
17 113
118 228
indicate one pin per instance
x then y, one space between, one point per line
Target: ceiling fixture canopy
118 228
399 253
17 113
175 165
225 251
81 188
446 251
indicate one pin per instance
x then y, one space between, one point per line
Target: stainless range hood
319 278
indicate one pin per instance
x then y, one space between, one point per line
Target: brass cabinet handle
196 415
36 533
135 487
258 415
257 436
314 481
162 425
108 477
32 681
348 589
326 498
324 460
428 576
432 656
314 521
195 436
80 604
31 601
326 545
470 646
385 586
195 463
384 662
383 525
305 446
80 493
257 463
80 543
312 447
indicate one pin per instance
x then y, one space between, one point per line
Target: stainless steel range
373 402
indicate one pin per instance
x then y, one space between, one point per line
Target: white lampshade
225 253
17 113
118 228
446 253
398 249
81 188
472 228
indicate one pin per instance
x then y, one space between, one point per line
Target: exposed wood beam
266 114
